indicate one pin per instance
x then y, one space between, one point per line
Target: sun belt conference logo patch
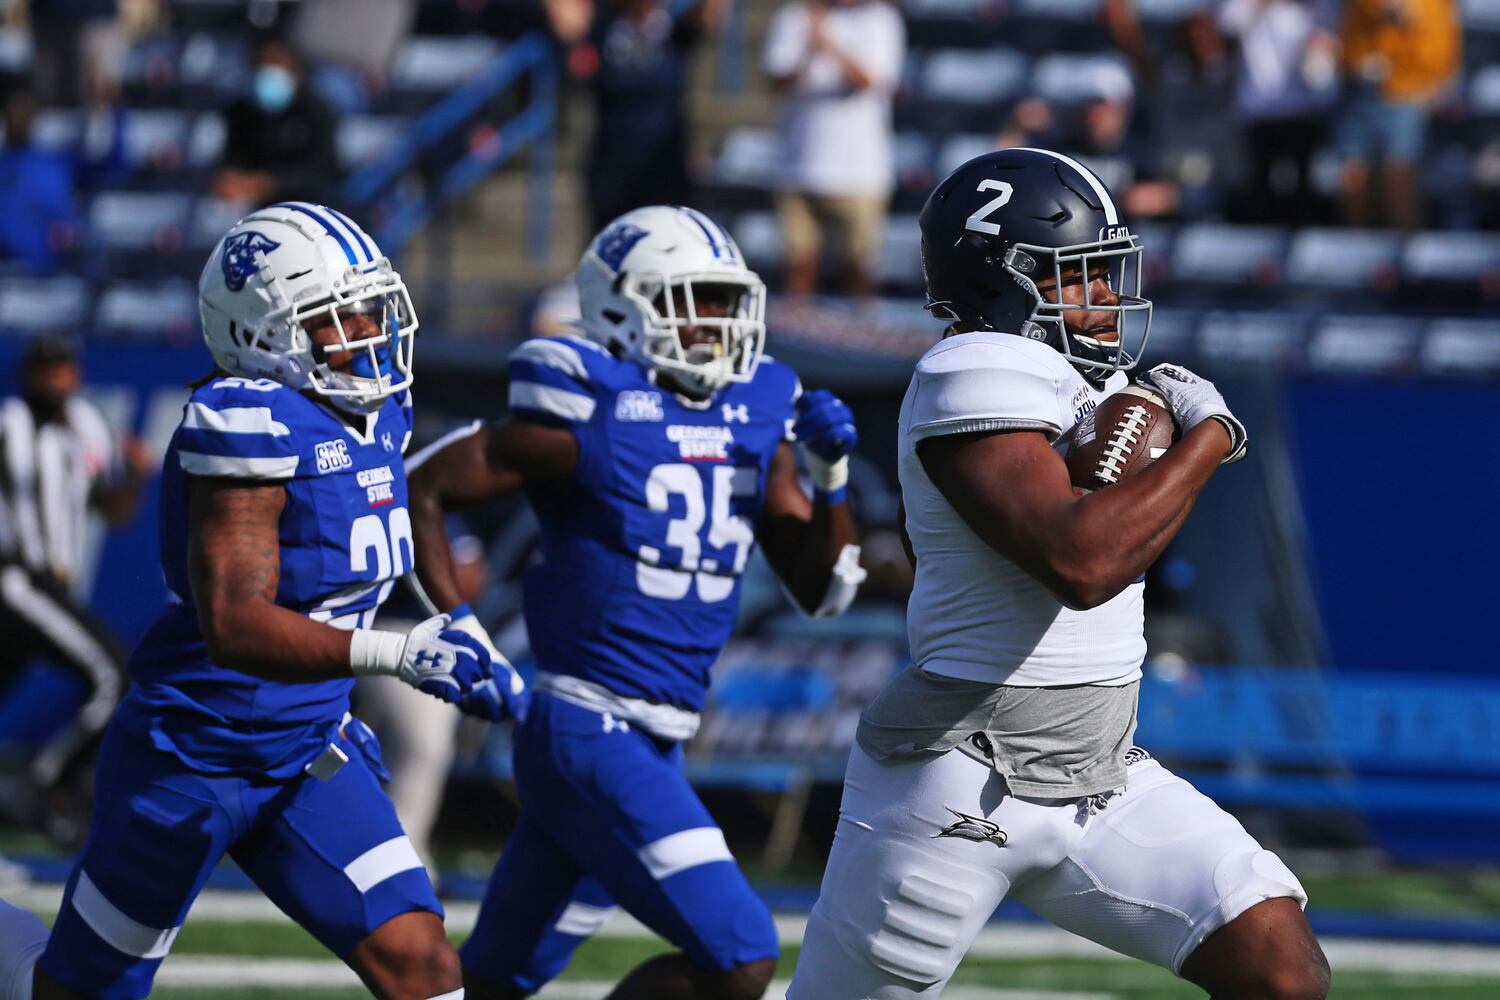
238 261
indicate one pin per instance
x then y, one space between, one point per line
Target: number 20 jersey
644 544
344 538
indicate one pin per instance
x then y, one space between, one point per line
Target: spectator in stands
1285 78
80 51
635 54
1400 57
837 63
280 137
37 212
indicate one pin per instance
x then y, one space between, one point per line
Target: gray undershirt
1052 743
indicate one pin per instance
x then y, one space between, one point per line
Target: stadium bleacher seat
438 64
42 304
749 157
1069 78
168 308
1212 253
205 144
213 68
15 50
759 236
210 219
1058 10
131 220
900 263
1363 343
957 10
361 137
1168 10
55 128
914 161
1264 337
1343 258
1484 92
156 137
1461 346
1172 334
1480 15
959 149
986 77
1442 257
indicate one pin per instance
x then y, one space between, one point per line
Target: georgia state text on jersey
973 613
345 538
643 546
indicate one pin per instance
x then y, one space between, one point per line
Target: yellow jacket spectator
1412 48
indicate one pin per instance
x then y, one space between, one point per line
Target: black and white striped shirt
48 475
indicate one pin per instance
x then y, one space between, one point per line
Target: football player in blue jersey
284 526
656 451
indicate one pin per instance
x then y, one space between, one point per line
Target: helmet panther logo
617 241
238 261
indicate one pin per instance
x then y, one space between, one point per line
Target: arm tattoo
234 541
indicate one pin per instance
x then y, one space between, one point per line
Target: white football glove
1193 400
433 658
513 688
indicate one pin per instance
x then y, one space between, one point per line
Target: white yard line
1009 941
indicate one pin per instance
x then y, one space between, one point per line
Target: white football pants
926 849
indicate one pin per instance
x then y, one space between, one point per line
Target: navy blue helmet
1006 220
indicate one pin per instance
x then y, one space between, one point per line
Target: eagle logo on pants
973 828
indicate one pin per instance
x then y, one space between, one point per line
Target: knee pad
921 939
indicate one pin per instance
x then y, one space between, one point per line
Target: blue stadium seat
959 149
156 138
127 220
212 68
211 219
1363 343
55 128
1068 78
1212 253
41 304
759 235
437 64
1260 337
1172 334
1058 10
205 144
1343 258
900 262
972 76
1458 346
361 137
914 161
165 309
749 157
1484 92
1480 15
15 51
1160 11
957 10
1451 257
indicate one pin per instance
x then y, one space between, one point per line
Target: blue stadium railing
400 210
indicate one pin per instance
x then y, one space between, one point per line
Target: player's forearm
264 640
434 567
1106 539
822 541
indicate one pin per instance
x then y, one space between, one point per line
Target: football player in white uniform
1001 762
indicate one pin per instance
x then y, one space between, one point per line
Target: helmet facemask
722 314
1118 261
382 362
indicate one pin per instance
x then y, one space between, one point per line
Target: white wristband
373 651
827 477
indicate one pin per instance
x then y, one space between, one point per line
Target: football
1130 429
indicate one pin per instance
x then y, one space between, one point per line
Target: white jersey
973 613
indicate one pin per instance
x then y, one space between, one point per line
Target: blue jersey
644 544
345 537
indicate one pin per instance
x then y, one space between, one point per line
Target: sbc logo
333 456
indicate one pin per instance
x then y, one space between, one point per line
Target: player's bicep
1010 487
787 512
234 546
537 452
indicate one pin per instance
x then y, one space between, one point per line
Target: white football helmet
650 273
281 266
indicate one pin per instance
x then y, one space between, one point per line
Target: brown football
1131 429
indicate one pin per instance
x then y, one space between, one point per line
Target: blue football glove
825 429
505 695
442 661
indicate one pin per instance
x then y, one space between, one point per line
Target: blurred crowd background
1317 185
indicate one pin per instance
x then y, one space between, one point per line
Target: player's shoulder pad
556 378
777 381
239 428
988 381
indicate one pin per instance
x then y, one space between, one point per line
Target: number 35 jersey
344 539
643 546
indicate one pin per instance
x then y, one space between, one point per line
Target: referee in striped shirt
58 462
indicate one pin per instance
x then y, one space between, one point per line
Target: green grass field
607 958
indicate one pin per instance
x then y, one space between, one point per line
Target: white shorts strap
381 862
678 852
116 929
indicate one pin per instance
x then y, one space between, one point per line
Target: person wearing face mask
59 462
280 136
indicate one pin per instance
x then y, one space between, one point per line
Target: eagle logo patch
972 828
238 262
